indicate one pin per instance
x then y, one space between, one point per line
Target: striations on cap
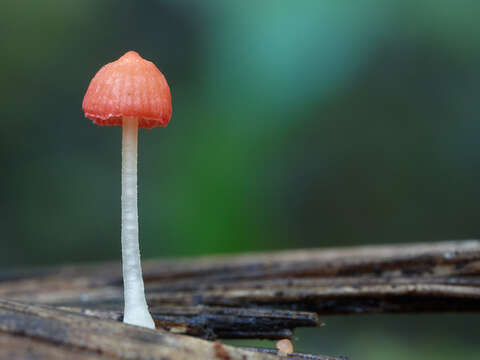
130 86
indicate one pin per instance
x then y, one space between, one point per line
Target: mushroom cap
130 86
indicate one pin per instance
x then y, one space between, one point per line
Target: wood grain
259 295
42 332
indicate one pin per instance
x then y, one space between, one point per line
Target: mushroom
284 347
130 92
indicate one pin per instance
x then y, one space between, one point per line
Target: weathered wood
216 322
260 295
42 332
351 280
15 347
294 355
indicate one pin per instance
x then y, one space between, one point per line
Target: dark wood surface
259 295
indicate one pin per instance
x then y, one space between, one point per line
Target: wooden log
263 295
216 322
397 278
42 332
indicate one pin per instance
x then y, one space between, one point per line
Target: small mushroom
284 347
130 92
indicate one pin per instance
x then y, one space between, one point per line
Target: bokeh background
296 124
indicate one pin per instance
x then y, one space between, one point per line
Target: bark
43 332
261 295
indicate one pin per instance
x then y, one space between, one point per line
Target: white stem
136 309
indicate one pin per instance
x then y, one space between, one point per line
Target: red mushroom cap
130 86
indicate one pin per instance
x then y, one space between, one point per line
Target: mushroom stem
136 309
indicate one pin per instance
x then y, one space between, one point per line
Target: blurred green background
295 124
